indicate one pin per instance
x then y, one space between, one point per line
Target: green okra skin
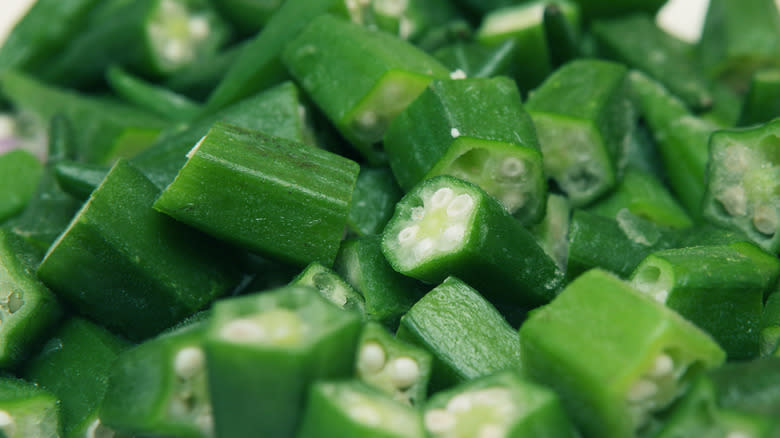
75 365
264 273
446 226
480 8
762 101
361 79
643 354
477 60
562 35
397 368
770 325
743 182
452 32
387 293
152 37
642 153
373 201
595 9
467 336
20 173
153 98
681 138
275 112
476 129
264 351
694 414
351 409
719 288
159 388
248 16
616 244
28 309
644 196
552 232
583 117
28 410
501 405
103 129
197 81
132 269
269 195
748 387
79 179
412 19
739 38
334 288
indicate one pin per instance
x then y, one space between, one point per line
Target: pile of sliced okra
390 219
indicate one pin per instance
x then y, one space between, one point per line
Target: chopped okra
27 410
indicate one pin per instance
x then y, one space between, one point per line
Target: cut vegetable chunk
27 410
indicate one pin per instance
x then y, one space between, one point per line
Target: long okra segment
719 288
264 350
502 405
465 333
351 409
79 179
74 365
396 368
743 182
131 268
552 232
269 195
334 288
153 98
613 373
446 226
762 101
20 172
583 117
476 130
28 410
159 388
361 79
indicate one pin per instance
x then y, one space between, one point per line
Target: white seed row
189 362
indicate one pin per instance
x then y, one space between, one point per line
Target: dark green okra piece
615 356
583 116
79 179
373 201
28 309
153 98
476 130
638 42
263 352
387 293
738 38
361 79
595 9
159 388
450 33
743 182
476 60
198 80
20 173
769 337
74 365
552 232
334 288
719 288
563 39
131 268
351 409
501 405
412 20
762 101
446 226
27 410
248 16
398 369
276 197
644 196
467 336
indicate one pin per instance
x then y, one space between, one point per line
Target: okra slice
647 354
583 117
388 294
399 369
334 288
351 409
552 232
502 405
263 352
645 196
446 226
563 39
79 179
27 410
20 172
131 268
762 101
28 309
159 388
373 201
361 79
465 333
743 182
477 60
719 288
74 365
248 16
411 19
151 97
770 325
476 130
272 196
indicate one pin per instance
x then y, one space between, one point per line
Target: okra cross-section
446 226
334 288
474 129
264 350
615 356
27 410
502 405
279 198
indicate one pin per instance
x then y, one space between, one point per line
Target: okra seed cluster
401 373
7 423
484 413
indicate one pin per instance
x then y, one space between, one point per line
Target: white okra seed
453 235
423 249
243 330
189 362
459 403
491 431
461 205
439 421
365 414
734 200
642 390
199 27
662 366
408 234
7 423
404 372
441 197
765 219
512 167
372 357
